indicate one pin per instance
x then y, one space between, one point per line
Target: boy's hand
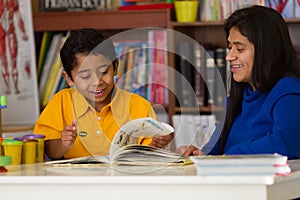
161 141
189 151
69 134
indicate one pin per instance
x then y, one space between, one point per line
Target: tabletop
136 182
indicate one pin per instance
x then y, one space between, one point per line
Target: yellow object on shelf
186 11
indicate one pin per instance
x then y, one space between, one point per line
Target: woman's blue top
268 123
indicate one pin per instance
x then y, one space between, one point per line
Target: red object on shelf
147 6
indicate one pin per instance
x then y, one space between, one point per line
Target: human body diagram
10 21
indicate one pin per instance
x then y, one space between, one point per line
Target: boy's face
94 79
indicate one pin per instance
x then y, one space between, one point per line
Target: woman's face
240 56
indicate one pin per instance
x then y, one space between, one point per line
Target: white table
37 182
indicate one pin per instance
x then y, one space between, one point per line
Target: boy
83 119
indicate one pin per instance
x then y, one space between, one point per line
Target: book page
147 155
79 161
142 127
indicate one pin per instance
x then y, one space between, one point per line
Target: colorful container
13 148
186 11
29 151
39 147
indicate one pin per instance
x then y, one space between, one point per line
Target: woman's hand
189 151
161 141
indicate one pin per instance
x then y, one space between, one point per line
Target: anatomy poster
17 63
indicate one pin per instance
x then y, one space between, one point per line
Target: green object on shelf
3 102
5 160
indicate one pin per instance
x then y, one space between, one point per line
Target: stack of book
146 4
241 165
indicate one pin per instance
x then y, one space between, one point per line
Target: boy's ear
68 78
116 67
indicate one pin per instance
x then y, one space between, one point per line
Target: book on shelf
147 6
185 79
74 5
156 62
122 68
210 71
53 85
140 70
129 72
215 10
255 164
160 59
132 70
45 43
53 73
52 53
220 77
199 83
124 149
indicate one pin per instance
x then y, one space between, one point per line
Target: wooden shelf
108 20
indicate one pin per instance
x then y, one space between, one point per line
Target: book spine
50 58
199 83
161 62
185 93
73 5
150 63
220 76
210 77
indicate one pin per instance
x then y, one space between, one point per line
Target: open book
123 150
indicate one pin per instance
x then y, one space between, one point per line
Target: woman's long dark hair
274 56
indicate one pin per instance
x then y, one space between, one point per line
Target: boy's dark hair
86 41
274 56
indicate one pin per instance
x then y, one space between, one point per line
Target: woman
263 110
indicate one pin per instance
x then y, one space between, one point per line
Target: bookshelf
117 21
203 32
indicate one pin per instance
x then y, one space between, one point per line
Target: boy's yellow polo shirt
95 130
